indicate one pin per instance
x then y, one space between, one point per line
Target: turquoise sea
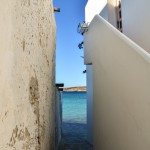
74 126
74 107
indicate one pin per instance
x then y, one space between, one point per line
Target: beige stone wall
27 67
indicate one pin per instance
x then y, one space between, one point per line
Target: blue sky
69 64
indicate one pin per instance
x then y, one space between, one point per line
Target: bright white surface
121 88
94 7
136 21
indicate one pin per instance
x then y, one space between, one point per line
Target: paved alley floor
74 137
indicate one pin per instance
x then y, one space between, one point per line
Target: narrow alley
74 122
74 137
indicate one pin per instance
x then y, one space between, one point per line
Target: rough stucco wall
27 62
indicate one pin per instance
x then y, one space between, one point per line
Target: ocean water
74 126
74 107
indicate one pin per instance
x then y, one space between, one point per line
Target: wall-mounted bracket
82 28
60 86
84 71
56 9
80 45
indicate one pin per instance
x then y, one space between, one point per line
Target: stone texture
27 68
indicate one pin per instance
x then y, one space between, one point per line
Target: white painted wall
121 88
27 75
104 12
112 18
89 78
136 21
106 9
94 7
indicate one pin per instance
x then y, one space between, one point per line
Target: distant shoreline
75 89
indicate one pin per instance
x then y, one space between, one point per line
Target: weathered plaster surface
27 67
